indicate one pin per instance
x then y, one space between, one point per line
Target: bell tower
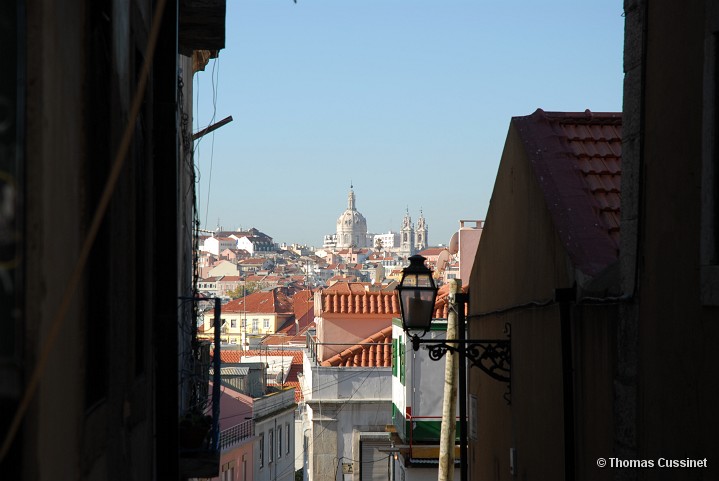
406 245
420 233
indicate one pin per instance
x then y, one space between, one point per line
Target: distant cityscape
229 260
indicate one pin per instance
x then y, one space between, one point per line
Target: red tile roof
232 356
432 251
255 278
284 339
441 306
342 278
268 302
375 351
235 356
576 158
230 279
251 262
371 302
347 288
304 309
298 390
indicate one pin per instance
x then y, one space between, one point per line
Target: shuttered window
375 465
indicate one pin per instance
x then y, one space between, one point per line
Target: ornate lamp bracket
492 356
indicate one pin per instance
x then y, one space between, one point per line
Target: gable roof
432 251
347 288
374 303
269 302
375 351
304 309
229 279
576 159
253 261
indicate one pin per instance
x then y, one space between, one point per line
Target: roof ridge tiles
573 143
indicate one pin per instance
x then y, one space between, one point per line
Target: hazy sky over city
409 101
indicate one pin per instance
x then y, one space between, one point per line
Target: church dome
351 218
351 226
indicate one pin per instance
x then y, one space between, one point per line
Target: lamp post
417 295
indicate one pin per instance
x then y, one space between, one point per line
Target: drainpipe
217 377
565 298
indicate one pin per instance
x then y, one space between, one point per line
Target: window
255 323
243 323
271 446
266 323
287 431
262 449
233 323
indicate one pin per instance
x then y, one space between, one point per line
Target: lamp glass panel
417 280
418 306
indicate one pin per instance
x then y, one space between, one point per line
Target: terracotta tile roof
252 261
268 302
576 158
292 342
230 279
298 390
340 278
234 356
441 307
304 309
347 288
366 302
375 351
210 279
432 251
254 278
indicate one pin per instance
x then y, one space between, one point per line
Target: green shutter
394 357
402 361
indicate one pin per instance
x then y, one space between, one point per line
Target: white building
347 385
390 241
417 400
256 244
351 226
345 414
215 245
352 232
274 416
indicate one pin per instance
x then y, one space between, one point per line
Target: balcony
235 435
202 25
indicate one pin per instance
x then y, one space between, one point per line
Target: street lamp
417 295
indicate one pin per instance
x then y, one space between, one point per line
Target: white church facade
352 232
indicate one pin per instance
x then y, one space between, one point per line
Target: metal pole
461 301
216 378
449 418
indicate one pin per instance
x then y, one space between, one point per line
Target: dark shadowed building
99 318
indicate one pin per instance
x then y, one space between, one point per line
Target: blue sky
409 101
